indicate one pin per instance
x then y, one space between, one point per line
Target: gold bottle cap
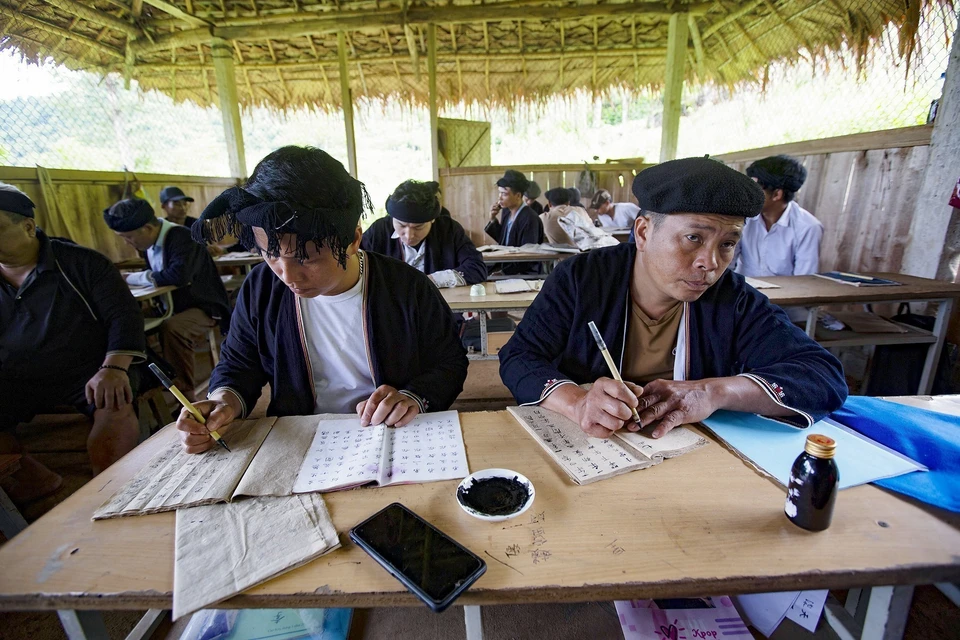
820 446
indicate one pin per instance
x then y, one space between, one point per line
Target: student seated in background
69 330
690 336
559 199
415 232
613 214
175 204
530 197
332 328
513 223
200 300
784 240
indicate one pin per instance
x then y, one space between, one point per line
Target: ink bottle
812 489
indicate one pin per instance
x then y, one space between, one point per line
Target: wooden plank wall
469 192
862 188
83 195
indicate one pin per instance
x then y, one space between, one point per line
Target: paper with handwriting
586 459
343 454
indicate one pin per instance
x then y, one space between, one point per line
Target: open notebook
586 459
295 454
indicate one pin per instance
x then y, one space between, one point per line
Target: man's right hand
599 411
495 211
195 437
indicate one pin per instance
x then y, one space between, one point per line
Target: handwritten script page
273 471
427 450
174 479
585 459
343 454
223 549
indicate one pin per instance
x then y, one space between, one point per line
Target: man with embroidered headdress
415 232
173 259
69 331
331 327
513 223
689 335
784 240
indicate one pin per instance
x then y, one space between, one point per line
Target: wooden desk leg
472 621
11 522
89 625
83 625
933 351
881 614
812 321
483 335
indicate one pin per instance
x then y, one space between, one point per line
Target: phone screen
428 558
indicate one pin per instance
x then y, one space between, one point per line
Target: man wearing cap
530 197
415 232
200 300
613 214
175 204
688 335
69 330
517 225
331 327
784 240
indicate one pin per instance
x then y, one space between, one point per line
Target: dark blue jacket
448 247
413 344
732 329
188 266
527 229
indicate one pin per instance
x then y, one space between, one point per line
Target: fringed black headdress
237 211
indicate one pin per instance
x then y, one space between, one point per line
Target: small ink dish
495 495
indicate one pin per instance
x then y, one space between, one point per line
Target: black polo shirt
60 324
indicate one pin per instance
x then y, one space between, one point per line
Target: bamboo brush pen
606 356
172 388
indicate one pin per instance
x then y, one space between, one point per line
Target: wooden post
222 52
432 70
935 223
346 98
673 85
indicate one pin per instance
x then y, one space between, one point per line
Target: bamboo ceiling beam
346 100
656 53
290 27
697 46
736 15
53 29
176 12
97 17
414 52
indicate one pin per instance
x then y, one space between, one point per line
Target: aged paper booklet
586 459
295 454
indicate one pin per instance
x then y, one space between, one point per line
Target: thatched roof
286 55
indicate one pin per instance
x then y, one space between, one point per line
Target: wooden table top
703 523
811 290
459 298
525 256
9 464
145 293
237 261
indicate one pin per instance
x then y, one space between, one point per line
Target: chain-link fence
56 118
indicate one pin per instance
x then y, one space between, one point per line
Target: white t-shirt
333 329
790 248
623 215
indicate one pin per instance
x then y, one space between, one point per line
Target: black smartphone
431 564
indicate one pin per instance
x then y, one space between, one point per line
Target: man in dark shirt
175 203
513 223
200 301
69 330
332 328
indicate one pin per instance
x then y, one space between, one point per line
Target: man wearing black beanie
689 336
513 223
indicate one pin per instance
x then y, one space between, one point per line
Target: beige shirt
649 354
